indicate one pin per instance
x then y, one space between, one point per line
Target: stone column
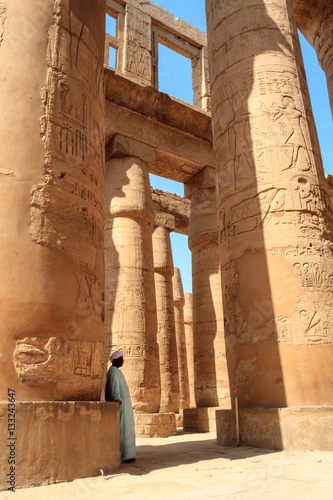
179 302
130 294
52 197
188 323
166 336
275 218
210 370
315 21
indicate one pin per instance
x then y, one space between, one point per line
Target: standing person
116 389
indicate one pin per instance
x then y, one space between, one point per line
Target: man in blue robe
116 389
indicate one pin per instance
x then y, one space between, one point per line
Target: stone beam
180 132
177 206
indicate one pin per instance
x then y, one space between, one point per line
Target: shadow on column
257 139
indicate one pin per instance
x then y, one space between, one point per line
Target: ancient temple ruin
87 263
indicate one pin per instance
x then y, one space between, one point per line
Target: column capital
122 145
162 219
206 178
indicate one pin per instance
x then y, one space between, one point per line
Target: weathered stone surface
175 205
274 209
188 323
52 194
122 145
179 302
166 335
58 442
211 384
181 133
155 425
130 312
200 419
315 20
137 43
294 428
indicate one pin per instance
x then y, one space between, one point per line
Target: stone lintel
204 179
294 428
180 132
128 93
175 205
165 220
58 442
122 145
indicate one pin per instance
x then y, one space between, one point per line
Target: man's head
117 359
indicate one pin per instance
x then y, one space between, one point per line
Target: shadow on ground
155 454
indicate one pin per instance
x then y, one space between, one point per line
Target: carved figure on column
166 335
274 217
52 270
179 302
188 322
130 319
211 384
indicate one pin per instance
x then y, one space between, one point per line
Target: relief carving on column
2 22
72 102
41 360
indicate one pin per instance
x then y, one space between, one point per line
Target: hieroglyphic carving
251 213
137 350
2 22
90 296
72 102
271 194
42 360
129 315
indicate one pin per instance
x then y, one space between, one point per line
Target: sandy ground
193 466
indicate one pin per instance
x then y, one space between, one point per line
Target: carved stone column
52 197
275 218
130 293
179 302
315 21
210 370
188 323
166 336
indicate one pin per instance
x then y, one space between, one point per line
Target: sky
175 79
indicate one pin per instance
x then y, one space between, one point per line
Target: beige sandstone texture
179 302
315 20
200 419
155 425
211 384
130 322
58 441
274 209
52 195
293 428
188 323
194 467
166 335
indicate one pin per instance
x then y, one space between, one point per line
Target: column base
179 419
155 424
200 419
57 441
294 428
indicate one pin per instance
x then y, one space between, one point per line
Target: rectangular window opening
164 184
111 25
175 74
112 57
